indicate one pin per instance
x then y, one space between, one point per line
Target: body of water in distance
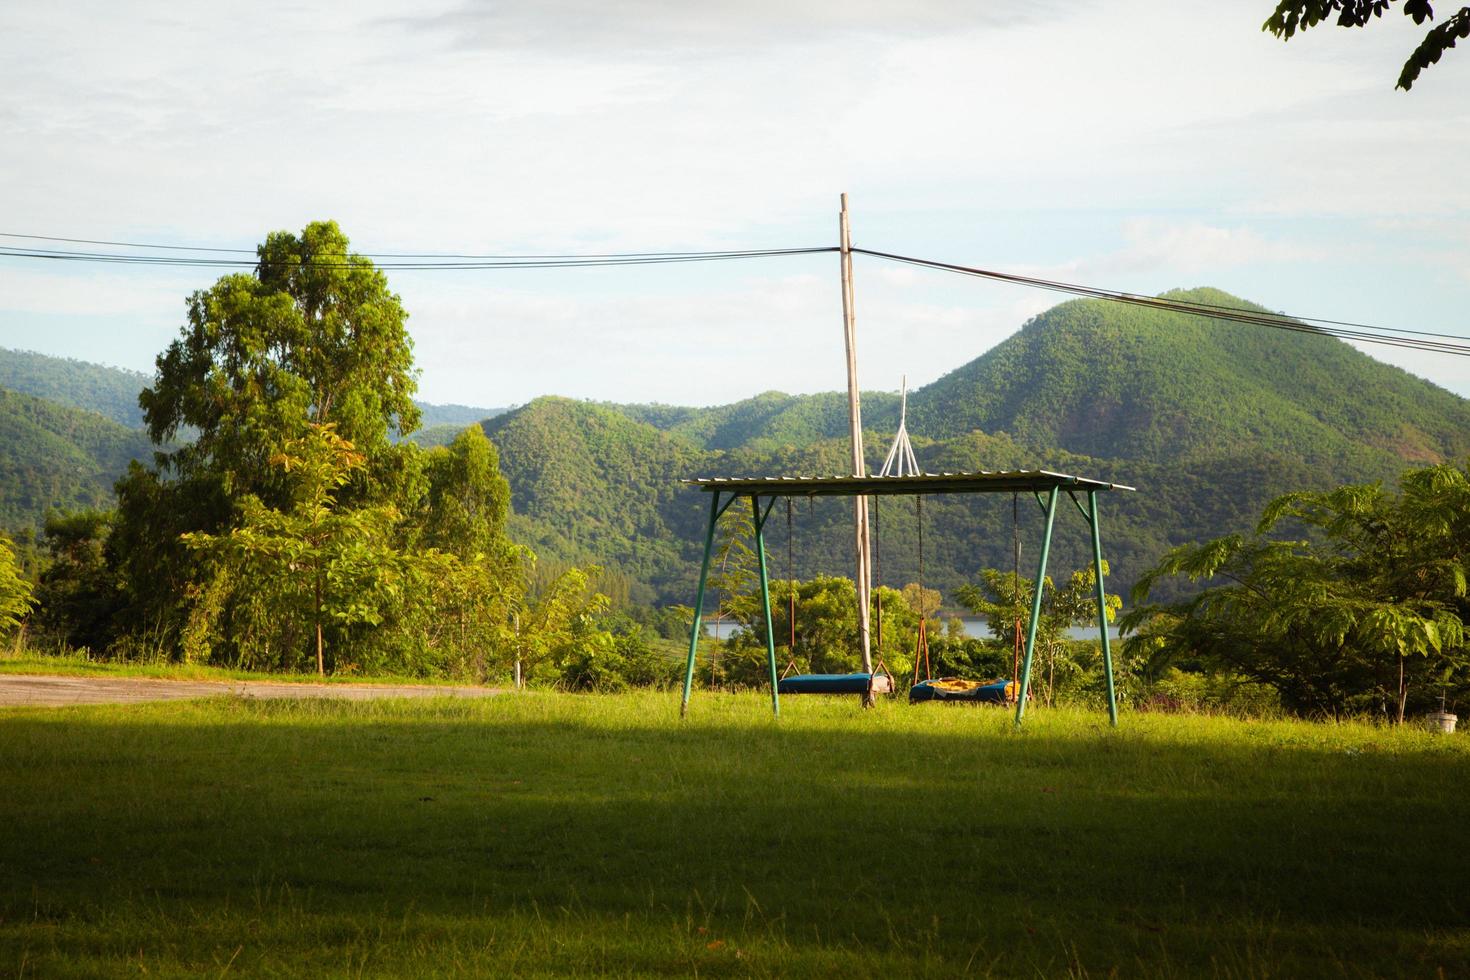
974 626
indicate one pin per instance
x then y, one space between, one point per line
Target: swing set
900 475
1046 486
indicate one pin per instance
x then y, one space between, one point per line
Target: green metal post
1102 606
760 551
1051 516
709 545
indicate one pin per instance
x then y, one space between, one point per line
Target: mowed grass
545 834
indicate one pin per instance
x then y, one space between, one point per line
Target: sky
1128 144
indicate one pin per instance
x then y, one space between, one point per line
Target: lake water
974 626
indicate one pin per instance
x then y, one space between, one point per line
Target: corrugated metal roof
848 486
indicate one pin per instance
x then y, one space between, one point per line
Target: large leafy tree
312 337
1291 16
1365 612
77 594
468 500
295 574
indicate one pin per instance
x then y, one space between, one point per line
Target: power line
1366 333
439 263
36 251
159 254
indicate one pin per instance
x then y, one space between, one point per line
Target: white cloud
573 125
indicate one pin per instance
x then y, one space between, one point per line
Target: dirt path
17 689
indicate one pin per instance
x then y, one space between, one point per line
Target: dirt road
17 689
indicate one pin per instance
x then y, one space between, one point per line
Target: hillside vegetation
57 458
108 391
1209 419
1126 382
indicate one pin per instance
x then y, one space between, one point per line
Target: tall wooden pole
859 467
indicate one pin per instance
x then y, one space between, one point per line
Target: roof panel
849 486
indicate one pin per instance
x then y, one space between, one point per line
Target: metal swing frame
724 492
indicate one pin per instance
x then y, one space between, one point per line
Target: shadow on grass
926 839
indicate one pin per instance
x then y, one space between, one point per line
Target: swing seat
970 692
835 684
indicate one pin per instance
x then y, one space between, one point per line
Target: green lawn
556 834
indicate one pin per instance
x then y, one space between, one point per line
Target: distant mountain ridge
57 457
1137 383
69 428
113 392
1209 418
109 391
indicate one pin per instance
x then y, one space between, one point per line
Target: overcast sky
1132 144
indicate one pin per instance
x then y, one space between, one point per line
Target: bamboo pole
859 468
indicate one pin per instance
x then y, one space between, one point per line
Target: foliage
631 655
312 337
77 593
282 579
1291 16
1367 612
468 501
15 591
1060 664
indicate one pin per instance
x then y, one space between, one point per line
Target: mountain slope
57 457
1209 419
108 391
768 420
1133 383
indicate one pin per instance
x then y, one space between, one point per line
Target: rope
1016 585
921 644
877 597
790 575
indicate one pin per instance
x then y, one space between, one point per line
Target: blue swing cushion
834 684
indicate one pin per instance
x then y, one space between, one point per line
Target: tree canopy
312 337
1291 16
1364 611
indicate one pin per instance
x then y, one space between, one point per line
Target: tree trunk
1403 690
321 663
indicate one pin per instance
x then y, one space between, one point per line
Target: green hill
1127 382
1210 419
113 392
57 457
108 391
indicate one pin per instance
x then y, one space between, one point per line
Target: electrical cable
1389 336
223 258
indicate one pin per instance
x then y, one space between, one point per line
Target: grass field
554 834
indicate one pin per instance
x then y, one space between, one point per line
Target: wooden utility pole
859 467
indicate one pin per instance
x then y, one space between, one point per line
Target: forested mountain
1208 418
1134 383
108 391
113 392
56 457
